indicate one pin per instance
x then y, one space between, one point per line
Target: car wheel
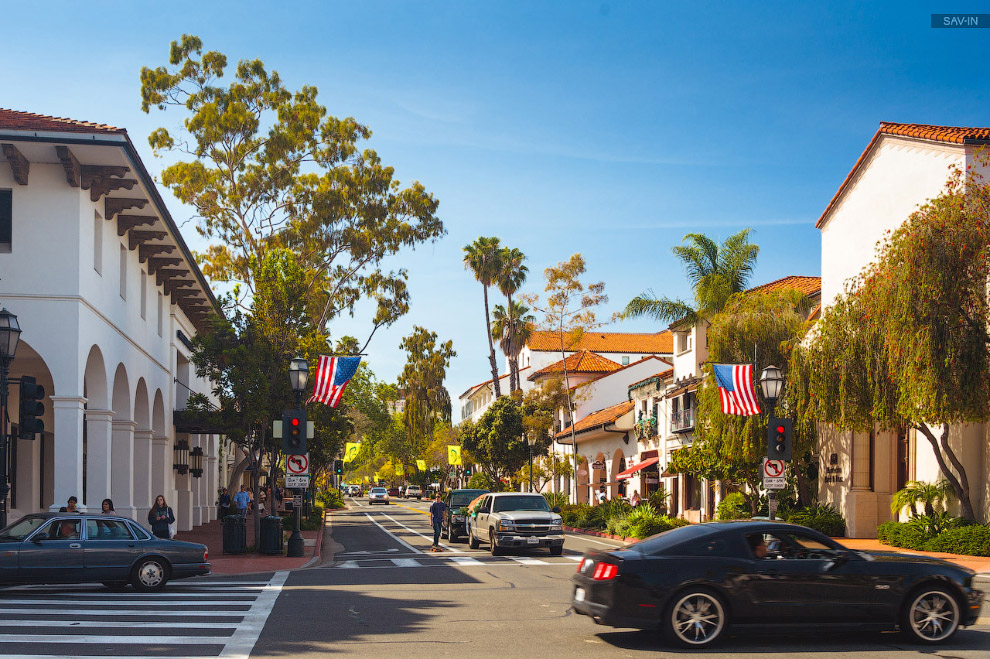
150 575
472 541
696 619
557 551
115 585
495 549
931 615
451 536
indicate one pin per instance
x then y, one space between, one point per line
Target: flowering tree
906 344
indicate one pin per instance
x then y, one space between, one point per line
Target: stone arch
158 415
121 401
142 413
95 380
618 465
598 476
32 475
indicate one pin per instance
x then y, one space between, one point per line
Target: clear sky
606 128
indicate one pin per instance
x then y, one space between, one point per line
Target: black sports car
693 582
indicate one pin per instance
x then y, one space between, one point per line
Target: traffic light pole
296 547
4 438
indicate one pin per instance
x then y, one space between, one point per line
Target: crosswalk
190 618
429 560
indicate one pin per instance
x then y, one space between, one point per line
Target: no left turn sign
297 465
773 468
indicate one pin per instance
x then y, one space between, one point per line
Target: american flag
332 376
735 387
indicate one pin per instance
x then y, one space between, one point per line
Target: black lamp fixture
10 332
196 466
180 456
771 382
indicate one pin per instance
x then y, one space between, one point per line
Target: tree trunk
513 364
960 484
491 348
239 468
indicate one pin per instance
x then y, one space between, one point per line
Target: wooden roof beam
135 238
117 205
127 222
147 251
20 167
73 170
155 264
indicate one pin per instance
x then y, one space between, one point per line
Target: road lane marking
235 617
464 560
246 634
574 558
525 560
397 538
102 624
425 537
78 639
405 562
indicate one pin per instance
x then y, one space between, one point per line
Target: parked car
394 492
49 548
516 520
377 495
695 581
453 523
414 491
354 490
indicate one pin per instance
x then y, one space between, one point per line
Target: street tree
427 401
715 272
496 441
510 279
906 344
264 167
484 258
512 328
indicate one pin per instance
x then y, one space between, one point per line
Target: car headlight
506 525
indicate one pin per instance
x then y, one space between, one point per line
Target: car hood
527 515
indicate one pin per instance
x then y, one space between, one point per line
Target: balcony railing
682 420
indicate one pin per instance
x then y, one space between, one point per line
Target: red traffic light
295 421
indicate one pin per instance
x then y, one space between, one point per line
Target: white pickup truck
516 520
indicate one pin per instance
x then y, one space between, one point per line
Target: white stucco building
107 295
903 166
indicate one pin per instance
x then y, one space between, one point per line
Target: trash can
271 535
234 534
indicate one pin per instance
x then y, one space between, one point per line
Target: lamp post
531 440
298 376
771 382
10 333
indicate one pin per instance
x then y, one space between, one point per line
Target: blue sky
606 128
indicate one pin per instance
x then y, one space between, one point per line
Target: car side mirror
838 560
556 509
36 539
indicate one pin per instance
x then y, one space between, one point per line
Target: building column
142 498
161 464
210 465
68 454
122 475
28 476
99 432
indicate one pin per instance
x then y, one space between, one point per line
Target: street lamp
298 375
180 456
10 333
531 440
771 382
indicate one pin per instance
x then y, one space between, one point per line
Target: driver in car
68 531
758 545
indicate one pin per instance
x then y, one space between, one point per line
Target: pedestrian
602 496
224 503
278 497
635 500
241 501
437 510
107 507
161 518
70 506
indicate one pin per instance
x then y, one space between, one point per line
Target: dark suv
452 525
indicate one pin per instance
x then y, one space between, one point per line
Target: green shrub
617 526
556 499
971 540
733 506
902 534
658 524
659 499
824 518
932 525
330 498
572 513
313 523
481 482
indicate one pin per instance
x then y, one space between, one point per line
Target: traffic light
338 467
294 432
31 408
779 433
467 471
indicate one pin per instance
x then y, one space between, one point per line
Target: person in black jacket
160 516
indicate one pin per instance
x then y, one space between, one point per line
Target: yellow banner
365 479
398 468
351 451
454 455
421 464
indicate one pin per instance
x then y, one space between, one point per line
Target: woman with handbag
161 518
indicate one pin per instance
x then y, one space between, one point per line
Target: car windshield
458 499
378 490
505 504
22 528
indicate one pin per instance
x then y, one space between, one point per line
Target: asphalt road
379 592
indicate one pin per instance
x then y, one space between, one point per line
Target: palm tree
927 494
716 272
484 258
510 279
512 329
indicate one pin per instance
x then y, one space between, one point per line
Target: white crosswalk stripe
195 618
425 560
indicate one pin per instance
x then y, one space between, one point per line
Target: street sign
297 501
296 481
773 474
297 465
598 464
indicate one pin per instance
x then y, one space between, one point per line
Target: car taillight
605 571
206 554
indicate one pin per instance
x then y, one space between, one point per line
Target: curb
597 534
318 547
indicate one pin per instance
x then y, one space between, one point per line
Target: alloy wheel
697 619
933 616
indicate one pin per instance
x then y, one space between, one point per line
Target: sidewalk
211 535
979 564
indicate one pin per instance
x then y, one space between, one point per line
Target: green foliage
929 495
659 499
480 481
972 540
496 442
427 402
555 499
733 506
330 498
932 525
484 258
313 523
824 518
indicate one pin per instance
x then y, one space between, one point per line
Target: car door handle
75 545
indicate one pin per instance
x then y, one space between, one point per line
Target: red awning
632 470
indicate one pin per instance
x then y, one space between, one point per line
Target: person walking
636 500
241 501
602 496
161 517
70 506
107 507
437 510
224 502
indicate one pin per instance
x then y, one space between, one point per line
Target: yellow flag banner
453 455
421 464
365 479
351 451
398 468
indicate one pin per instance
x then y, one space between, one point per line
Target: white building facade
107 295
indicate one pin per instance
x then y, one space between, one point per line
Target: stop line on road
454 561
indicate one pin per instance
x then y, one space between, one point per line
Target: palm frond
661 309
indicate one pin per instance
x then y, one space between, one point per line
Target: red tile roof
620 369
607 415
806 285
15 120
652 343
663 375
582 361
943 134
